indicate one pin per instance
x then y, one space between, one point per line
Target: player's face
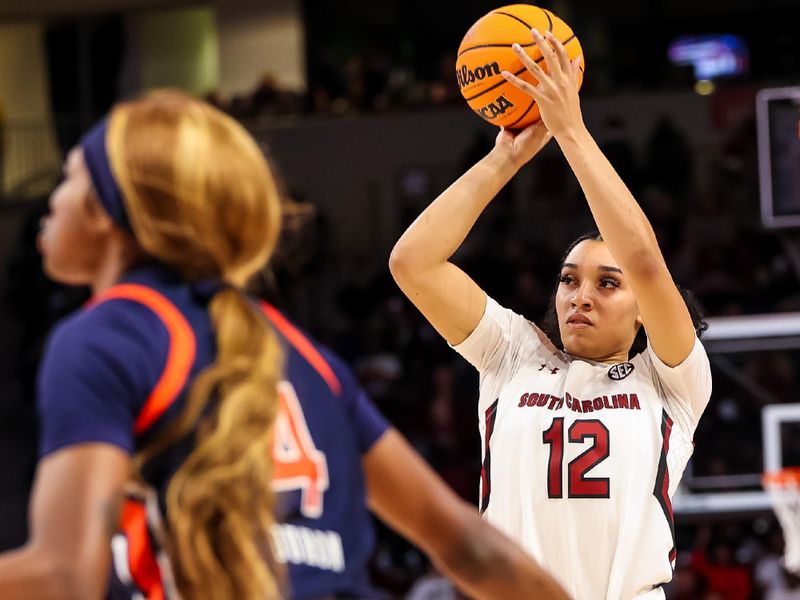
73 234
597 312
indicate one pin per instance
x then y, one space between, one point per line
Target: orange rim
790 476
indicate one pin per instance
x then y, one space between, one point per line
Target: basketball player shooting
584 439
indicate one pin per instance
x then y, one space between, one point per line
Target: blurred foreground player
156 383
163 391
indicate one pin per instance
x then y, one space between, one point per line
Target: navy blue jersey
117 371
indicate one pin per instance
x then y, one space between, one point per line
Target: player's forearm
488 565
618 216
31 574
442 227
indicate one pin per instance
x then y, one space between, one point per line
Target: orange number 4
298 463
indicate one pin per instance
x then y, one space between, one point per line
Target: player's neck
119 255
612 359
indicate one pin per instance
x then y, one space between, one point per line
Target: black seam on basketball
506 45
510 16
549 20
527 110
496 85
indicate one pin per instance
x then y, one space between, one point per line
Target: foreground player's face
597 312
73 235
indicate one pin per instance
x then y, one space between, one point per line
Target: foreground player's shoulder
98 369
119 325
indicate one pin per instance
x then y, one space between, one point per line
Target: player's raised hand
557 91
521 146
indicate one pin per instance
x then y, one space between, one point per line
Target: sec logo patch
620 371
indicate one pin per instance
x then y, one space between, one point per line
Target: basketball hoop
784 491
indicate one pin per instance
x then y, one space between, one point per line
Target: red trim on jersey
181 353
486 467
303 346
141 558
661 490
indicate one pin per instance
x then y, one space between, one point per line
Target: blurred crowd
364 83
709 231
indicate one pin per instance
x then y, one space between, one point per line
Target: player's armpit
407 495
67 555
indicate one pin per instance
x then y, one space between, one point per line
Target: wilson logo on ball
496 108
467 76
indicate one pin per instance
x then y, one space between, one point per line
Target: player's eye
568 279
609 282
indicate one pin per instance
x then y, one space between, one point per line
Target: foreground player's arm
406 494
74 513
619 218
420 261
88 383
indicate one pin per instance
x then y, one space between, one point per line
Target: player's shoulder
340 368
519 329
111 324
313 353
697 358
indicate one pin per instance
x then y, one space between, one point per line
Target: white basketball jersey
581 459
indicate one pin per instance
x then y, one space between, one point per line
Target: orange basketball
486 51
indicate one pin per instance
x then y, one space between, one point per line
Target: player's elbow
63 575
413 268
402 264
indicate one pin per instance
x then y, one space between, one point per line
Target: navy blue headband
96 157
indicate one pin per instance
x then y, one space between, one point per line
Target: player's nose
583 297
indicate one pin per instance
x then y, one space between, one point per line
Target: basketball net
784 491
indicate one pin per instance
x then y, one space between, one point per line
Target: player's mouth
579 321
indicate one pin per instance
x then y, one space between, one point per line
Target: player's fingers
526 87
550 58
576 65
560 52
529 63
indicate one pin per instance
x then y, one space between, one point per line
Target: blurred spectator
714 560
688 584
669 159
772 581
618 149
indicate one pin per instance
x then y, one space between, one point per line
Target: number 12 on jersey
578 485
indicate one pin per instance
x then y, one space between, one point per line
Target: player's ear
98 216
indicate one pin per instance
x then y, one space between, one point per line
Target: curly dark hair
550 321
